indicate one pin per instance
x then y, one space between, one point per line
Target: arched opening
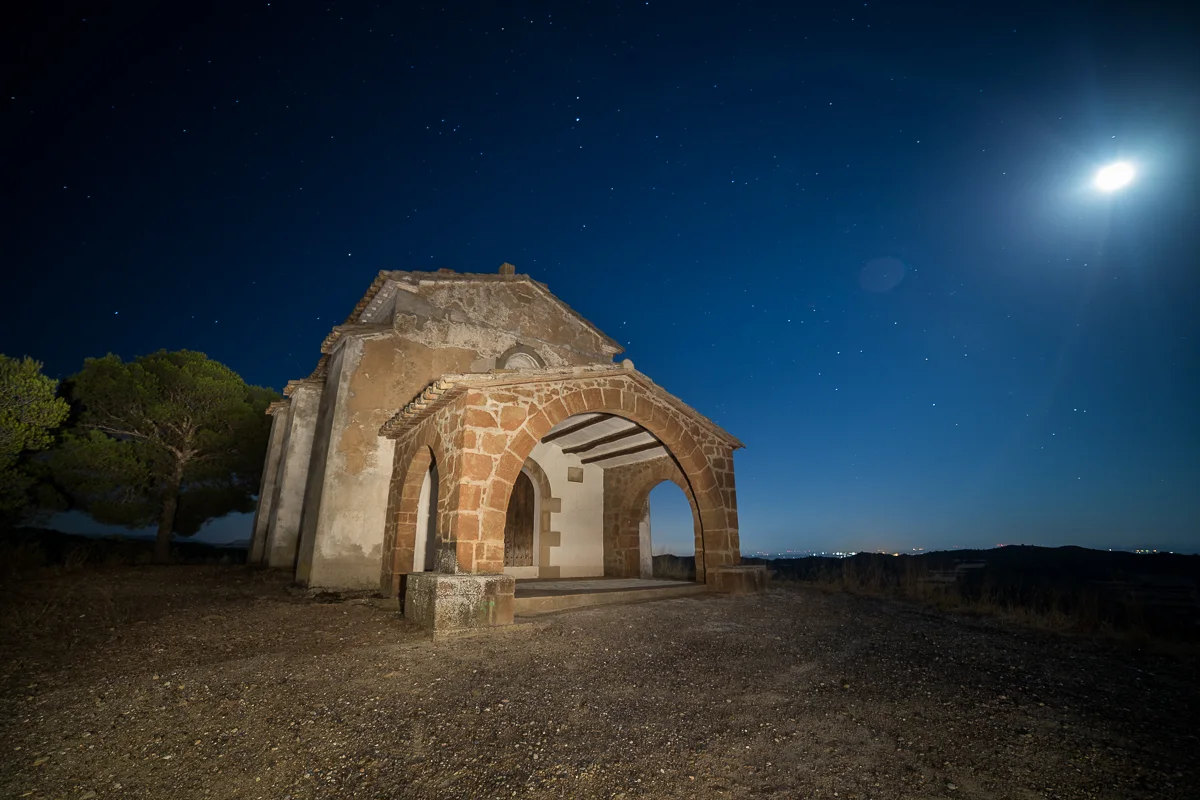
582 430
409 540
521 524
425 544
667 534
607 465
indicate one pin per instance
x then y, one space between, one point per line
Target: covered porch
540 478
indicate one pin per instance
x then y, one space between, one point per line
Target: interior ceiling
601 436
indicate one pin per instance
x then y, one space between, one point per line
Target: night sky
862 237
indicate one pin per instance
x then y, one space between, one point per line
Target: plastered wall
580 523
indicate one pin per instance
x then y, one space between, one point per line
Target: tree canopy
30 411
172 437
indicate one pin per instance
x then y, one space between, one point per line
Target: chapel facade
462 431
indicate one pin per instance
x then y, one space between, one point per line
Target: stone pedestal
444 602
739 579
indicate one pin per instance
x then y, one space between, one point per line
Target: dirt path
194 682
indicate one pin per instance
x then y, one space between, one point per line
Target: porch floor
546 596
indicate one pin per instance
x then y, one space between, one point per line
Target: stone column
283 535
645 555
270 476
723 556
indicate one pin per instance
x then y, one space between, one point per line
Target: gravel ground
189 682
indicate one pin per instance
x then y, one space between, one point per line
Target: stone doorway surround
480 428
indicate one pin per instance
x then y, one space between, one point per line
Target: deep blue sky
705 182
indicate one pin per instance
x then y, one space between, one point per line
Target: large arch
526 412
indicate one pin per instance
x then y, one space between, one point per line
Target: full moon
1114 176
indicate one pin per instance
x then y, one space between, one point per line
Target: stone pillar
722 547
283 535
468 588
270 476
725 572
471 537
645 555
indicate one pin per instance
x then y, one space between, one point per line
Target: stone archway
524 413
547 538
626 500
400 533
425 546
410 467
495 420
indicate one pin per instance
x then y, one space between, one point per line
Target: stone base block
739 579
443 602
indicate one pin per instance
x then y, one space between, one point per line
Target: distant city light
1114 176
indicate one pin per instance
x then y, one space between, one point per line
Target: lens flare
1114 176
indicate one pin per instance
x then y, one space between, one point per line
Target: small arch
546 502
636 505
425 539
652 530
519 357
520 527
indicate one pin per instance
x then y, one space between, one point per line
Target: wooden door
518 524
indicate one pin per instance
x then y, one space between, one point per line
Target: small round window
521 361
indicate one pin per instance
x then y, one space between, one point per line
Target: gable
516 304
523 308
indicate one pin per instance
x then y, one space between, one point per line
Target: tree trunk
166 520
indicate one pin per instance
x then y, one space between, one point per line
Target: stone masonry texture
483 434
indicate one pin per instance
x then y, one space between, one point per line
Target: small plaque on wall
575 474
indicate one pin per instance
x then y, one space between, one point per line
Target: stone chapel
462 431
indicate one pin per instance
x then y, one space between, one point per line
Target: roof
450 387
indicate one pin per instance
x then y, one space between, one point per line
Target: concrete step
546 604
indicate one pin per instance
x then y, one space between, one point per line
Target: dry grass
1083 611
675 568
